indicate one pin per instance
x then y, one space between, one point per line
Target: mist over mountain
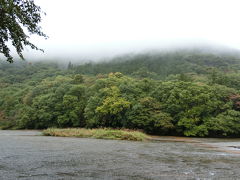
78 58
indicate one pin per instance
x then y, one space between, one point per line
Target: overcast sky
91 28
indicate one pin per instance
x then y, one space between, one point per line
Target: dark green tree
17 17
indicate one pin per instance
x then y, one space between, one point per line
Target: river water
25 155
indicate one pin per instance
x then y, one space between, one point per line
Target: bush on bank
105 133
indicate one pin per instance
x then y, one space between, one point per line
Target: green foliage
168 94
146 114
225 124
107 107
14 15
161 65
78 78
190 104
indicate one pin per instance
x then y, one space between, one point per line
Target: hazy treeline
173 94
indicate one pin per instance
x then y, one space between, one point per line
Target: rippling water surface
25 155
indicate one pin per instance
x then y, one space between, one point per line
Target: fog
93 29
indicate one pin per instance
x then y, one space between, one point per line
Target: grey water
25 155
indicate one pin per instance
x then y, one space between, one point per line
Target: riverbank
103 133
124 134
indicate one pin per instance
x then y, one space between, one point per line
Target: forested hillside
175 93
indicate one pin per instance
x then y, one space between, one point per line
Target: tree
146 114
16 17
106 108
78 79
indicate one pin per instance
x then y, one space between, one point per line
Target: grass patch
117 134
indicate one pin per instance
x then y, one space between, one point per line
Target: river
25 155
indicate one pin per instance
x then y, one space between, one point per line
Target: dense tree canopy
201 99
18 19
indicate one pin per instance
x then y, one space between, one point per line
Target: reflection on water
26 156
